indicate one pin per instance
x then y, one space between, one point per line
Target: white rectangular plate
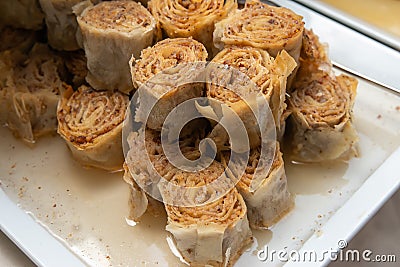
85 209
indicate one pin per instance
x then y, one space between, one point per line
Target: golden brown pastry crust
262 26
321 119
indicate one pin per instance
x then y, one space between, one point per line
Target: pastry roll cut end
262 26
191 18
91 123
165 76
210 232
214 234
122 17
321 120
113 32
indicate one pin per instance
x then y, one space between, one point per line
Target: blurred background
384 14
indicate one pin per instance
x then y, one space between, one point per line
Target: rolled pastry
321 119
147 161
212 234
139 202
112 32
24 14
313 55
269 76
91 123
32 89
61 23
146 171
172 55
271 200
262 26
321 106
191 18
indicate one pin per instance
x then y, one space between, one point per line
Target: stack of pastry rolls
109 50
110 33
320 103
194 19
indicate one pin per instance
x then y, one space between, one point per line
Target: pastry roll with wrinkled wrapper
262 26
191 18
321 118
112 32
169 59
269 201
268 75
61 23
91 123
321 108
215 233
25 14
146 171
147 161
30 91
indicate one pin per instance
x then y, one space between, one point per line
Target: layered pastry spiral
262 26
169 60
269 200
214 233
111 33
321 108
147 171
146 158
321 118
179 18
166 54
91 123
267 75
30 91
